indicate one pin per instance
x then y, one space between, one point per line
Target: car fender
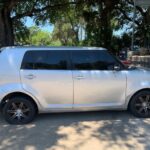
14 88
135 88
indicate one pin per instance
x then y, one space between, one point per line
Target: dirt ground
78 131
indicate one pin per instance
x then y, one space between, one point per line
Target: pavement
78 131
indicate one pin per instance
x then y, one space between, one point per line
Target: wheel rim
142 105
18 111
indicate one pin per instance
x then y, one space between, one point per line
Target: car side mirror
117 67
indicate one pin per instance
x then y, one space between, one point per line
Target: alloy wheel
142 105
18 111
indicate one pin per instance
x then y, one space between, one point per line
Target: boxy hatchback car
65 79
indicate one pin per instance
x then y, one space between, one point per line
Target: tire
19 110
139 105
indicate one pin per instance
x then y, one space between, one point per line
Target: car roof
51 48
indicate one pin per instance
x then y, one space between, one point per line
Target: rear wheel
140 104
19 110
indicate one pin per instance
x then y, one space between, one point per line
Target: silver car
65 79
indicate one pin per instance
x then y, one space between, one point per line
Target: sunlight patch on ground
87 136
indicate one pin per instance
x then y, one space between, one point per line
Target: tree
6 24
142 20
12 11
97 19
37 37
100 22
68 26
21 33
120 42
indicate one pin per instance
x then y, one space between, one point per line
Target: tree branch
127 17
34 10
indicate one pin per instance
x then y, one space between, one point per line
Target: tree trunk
6 28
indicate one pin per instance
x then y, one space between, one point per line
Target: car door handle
30 76
79 77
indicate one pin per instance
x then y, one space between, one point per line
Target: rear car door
96 83
48 75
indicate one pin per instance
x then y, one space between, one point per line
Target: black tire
140 104
19 110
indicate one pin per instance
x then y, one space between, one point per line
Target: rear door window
46 60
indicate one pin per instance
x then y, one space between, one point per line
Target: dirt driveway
78 131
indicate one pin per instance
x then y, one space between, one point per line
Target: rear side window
93 60
46 60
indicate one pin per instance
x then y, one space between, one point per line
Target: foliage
120 42
77 22
101 21
38 37
68 26
21 33
142 21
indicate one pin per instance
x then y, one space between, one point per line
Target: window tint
104 60
82 60
93 60
57 60
46 60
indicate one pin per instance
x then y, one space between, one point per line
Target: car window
46 60
104 61
83 60
93 60
57 60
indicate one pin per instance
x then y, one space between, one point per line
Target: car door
47 74
96 83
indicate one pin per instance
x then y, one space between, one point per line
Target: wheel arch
13 94
145 89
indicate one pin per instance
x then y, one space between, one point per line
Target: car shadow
73 131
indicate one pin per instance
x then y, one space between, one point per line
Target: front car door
47 74
96 84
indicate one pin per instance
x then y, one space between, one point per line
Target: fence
143 61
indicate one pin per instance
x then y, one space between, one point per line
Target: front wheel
19 110
140 104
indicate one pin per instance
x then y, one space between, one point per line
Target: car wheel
140 104
19 110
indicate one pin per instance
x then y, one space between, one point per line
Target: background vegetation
76 22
